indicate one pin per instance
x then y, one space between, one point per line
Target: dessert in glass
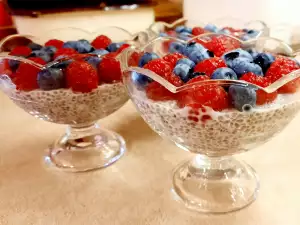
73 77
214 103
185 29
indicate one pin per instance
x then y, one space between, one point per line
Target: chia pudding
67 107
218 133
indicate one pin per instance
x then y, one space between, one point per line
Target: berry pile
191 63
83 71
185 33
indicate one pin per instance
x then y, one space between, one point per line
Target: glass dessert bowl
70 76
214 107
186 29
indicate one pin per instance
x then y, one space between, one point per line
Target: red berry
262 97
65 52
55 42
198 96
26 75
111 55
171 33
134 58
197 31
160 67
81 77
208 66
20 51
157 92
101 41
123 47
281 67
5 68
220 44
172 58
109 70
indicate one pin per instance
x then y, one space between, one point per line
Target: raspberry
21 51
262 97
171 33
123 47
220 44
198 96
157 92
109 70
26 75
160 67
134 59
55 43
111 55
64 52
173 58
5 68
197 31
81 77
281 67
208 66
101 41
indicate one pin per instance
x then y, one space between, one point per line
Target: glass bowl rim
174 89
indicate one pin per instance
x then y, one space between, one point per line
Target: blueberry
100 52
94 61
182 70
50 50
196 74
63 64
50 79
264 60
230 56
113 47
252 52
243 98
245 37
224 73
191 47
70 44
84 41
176 47
184 36
41 54
79 46
181 29
198 56
140 79
211 27
186 61
224 31
163 34
252 33
14 64
243 65
34 46
147 57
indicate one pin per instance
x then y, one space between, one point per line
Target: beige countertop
135 190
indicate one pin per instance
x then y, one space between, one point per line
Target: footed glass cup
213 181
85 145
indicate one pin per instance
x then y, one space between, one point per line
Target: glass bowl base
85 149
212 185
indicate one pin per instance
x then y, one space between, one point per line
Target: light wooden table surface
135 190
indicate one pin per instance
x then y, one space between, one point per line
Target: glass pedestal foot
85 148
215 185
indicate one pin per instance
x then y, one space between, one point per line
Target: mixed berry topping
193 63
89 64
186 33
